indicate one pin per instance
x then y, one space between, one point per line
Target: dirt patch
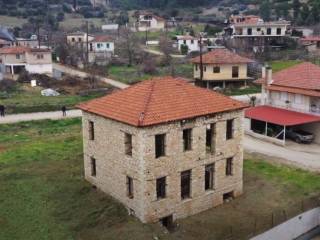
2 149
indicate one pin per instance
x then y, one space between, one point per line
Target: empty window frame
279 30
209 177
186 184
204 68
268 31
249 31
210 138
187 139
128 144
17 56
235 72
229 129
161 188
91 130
129 187
93 167
160 145
216 69
196 66
229 166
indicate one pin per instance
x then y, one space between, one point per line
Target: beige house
13 60
164 148
221 66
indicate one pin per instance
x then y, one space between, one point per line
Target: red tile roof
221 56
21 50
304 76
279 116
14 50
311 93
310 39
102 38
160 100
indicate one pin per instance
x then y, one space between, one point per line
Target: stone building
164 148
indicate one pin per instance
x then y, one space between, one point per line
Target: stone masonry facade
113 165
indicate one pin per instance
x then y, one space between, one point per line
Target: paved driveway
299 155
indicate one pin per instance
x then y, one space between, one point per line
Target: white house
290 99
191 42
13 60
150 22
254 33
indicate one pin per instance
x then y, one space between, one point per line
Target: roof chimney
268 75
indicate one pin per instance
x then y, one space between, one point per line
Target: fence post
285 214
255 226
272 219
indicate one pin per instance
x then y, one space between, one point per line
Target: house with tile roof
221 67
148 21
14 60
290 99
164 148
311 43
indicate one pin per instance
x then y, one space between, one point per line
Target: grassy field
73 21
44 196
283 64
9 21
134 74
26 99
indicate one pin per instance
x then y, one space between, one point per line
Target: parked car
299 136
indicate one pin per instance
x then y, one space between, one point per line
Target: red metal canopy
280 116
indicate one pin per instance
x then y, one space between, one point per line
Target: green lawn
243 91
134 74
44 195
26 99
9 21
283 64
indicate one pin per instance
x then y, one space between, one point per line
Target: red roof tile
294 90
221 56
280 116
21 50
102 38
310 39
14 50
160 100
304 75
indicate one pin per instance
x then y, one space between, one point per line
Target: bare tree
167 50
129 47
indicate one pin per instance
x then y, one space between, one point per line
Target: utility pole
201 59
38 34
87 42
146 35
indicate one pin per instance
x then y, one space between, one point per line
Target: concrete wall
225 72
293 228
39 58
113 165
104 47
39 68
298 102
12 58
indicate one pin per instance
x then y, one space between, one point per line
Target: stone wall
113 165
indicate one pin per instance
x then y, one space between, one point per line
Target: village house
101 47
164 148
311 43
148 21
290 100
254 33
191 42
221 67
14 60
31 42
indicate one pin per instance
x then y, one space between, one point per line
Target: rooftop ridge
147 102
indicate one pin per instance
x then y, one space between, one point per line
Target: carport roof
280 116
